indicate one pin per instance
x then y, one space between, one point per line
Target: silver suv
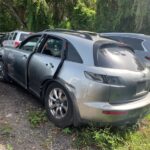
80 79
15 38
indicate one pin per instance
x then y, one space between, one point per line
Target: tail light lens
95 77
115 112
102 78
17 43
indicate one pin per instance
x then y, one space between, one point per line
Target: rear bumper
106 113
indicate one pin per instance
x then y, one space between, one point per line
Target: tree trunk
15 14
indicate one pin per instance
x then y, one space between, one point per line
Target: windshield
117 58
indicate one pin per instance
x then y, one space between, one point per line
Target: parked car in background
3 36
139 42
15 38
80 79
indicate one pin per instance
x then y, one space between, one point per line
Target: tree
38 16
83 17
114 15
141 9
16 9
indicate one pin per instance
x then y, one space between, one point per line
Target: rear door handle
50 64
25 57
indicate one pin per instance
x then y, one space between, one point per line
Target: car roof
123 34
19 31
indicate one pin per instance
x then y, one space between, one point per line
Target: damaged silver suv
80 79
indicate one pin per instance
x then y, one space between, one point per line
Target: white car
15 38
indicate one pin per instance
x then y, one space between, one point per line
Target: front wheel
59 105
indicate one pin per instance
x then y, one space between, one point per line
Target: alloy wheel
58 103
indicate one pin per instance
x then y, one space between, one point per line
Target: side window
6 37
147 45
11 36
72 54
53 47
15 35
30 44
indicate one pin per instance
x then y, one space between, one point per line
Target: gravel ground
16 132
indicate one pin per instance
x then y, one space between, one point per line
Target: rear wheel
59 105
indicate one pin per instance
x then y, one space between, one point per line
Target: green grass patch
36 118
5 130
9 147
136 137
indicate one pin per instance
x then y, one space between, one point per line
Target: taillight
103 78
115 112
147 57
17 43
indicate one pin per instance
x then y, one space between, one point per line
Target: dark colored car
139 42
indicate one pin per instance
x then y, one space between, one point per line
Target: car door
19 57
45 64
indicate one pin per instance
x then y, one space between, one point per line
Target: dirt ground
16 132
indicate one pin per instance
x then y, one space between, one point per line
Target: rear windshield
116 57
23 36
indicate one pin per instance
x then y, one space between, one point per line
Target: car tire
3 72
58 105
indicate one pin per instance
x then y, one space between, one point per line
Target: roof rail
85 34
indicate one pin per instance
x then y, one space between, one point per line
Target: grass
135 137
5 130
9 147
36 118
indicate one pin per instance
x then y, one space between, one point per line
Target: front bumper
106 113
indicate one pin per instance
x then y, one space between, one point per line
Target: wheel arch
76 113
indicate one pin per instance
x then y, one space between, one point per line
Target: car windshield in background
136 44
23 36
147 45
117 58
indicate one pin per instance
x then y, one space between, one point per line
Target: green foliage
114 15
7 22
136 137
94 15
9 147
67 131
37 118
105 139
5 130
38 15
83 17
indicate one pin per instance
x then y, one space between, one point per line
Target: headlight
103 78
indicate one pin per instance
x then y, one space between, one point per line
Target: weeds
37 118
109 138
9 147
5 130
